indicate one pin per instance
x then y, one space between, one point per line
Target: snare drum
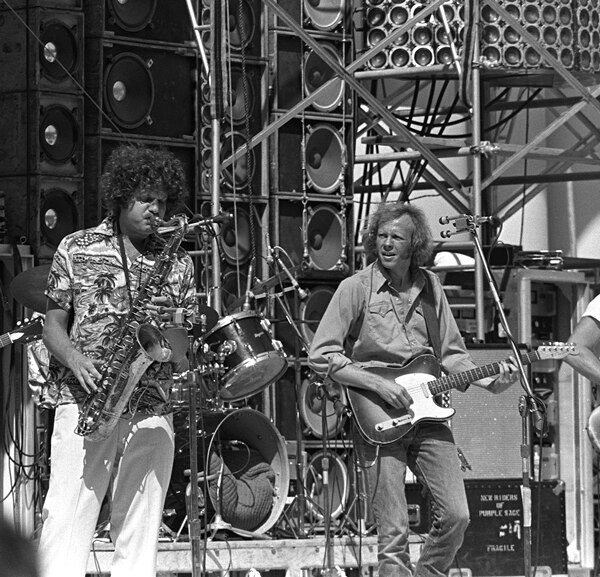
256 359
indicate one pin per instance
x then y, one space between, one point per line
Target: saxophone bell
154 343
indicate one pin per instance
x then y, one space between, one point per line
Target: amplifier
494 543
487 427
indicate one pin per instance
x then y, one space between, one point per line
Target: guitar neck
457 380
5 340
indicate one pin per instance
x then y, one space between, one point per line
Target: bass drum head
311 410
338 486
242 430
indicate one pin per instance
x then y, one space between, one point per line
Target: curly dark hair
133 169
421 241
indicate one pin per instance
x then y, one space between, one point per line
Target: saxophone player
94 279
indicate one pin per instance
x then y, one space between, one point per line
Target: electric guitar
382 424
28 330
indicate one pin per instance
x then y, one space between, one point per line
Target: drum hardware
262 289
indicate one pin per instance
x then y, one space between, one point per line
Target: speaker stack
239 109
425 44
141 79
567 30
41 84
311 180
311 223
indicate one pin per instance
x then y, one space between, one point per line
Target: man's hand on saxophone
84 370
58 341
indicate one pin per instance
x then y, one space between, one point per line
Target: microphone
221 218
302 294
246 305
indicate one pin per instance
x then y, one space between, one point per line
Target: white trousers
137 458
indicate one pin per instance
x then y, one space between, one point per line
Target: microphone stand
194 528
331 569
527 404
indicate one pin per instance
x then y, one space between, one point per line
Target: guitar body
381 423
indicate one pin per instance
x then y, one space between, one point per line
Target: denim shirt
369 323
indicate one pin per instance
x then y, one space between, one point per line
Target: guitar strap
433 326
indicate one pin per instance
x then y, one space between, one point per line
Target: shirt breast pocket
380 310
380 322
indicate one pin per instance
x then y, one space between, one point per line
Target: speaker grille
567 30
487 427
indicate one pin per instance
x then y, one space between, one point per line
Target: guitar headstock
27 330
556 350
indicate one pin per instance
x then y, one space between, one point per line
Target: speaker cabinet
49 58
41 209
494 540
313 156
301 71
140 90
316 236
149 21
487 427
41 76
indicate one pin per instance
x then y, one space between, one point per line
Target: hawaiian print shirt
87 278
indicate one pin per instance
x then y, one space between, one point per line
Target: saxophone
138 344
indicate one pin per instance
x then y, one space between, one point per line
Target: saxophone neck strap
125 265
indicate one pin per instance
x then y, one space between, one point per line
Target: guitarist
377 317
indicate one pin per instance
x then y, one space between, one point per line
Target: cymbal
265 285
28 287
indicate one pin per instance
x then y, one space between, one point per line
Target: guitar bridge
394 423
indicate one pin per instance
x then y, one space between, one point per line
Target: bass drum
244 458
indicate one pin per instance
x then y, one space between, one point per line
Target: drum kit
233 358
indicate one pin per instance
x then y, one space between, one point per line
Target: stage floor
291 555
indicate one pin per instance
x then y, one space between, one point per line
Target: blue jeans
431 454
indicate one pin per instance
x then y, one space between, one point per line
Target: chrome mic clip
225 349
464 222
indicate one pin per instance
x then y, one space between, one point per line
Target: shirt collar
381 278
107 228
